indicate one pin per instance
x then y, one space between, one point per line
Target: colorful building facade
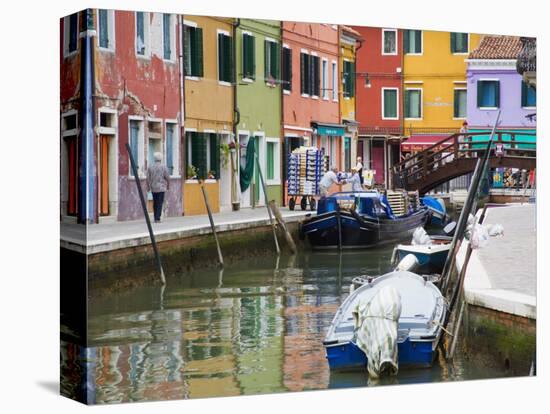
379 98
310 89
209 106
259 106
350 41
128 69
434 82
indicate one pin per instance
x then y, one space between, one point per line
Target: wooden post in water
267 204
212 226
144 207
279 218
339 224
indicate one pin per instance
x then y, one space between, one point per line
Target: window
347 153
167 46
193 52
172 146
309 74
203 154
389 41
334 81
272 59
225 57
459 42
287 69
142 34
389 103
154 140
249 57
270 170
324 79
412 41
136 145
348 79
413 103
528 95
106 26
460 103
488 93
273 158
70 34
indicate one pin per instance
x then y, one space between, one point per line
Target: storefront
329 137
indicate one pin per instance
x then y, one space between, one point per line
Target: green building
258 107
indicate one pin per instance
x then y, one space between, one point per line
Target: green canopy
248 171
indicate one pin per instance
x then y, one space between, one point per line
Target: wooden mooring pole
146 214
267 204
280 220
211 219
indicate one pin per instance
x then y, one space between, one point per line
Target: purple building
493 83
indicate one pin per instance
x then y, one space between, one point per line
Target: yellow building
350 40
434 76
209 89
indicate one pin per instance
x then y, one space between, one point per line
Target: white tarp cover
376 327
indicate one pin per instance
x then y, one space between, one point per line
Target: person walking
355 181
158 182
359 167
326 182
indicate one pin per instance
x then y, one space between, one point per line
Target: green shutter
453 42
455 104
266 60
497 94
198 153
221 62
317 76
418 41
252 59
303 73
270 161
276 61
407 104
406 41
289 69
214 154
352 79
311 75
244 59
199 67
345 80
523 94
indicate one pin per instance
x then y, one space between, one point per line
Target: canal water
254 328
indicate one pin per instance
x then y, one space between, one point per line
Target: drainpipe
360 41
86 193
235 199
282 151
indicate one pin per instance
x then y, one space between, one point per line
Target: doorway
225 174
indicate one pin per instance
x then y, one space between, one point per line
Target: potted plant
191 172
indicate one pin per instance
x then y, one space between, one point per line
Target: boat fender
408 263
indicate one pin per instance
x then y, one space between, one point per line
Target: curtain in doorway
248 171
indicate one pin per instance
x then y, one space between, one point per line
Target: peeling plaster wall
146 87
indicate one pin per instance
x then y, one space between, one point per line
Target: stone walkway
103 237
503 275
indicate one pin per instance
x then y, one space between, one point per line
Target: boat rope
442 327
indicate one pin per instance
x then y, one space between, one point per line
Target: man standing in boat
328 179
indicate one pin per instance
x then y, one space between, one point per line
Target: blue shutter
103 29
166 36
497 94
169 148
479 94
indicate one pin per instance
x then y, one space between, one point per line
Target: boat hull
356 232
349 357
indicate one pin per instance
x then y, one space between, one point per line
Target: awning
421 142
329 129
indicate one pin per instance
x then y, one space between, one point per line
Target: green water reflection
254 328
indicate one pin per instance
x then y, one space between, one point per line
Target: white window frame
194 25
334 70
271 40
421 45
487 108
172 37
110 31
396 41
346 98
175 146
141 146
276 160
463 88
66 35
248 33
467 48
324 79
146 35
421 104
67 132
225 33
396 103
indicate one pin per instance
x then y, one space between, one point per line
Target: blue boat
419 325
437 209
352 220
431 258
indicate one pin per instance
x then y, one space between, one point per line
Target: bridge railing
459 146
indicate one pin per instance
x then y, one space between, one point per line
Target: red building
132 61
379 65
